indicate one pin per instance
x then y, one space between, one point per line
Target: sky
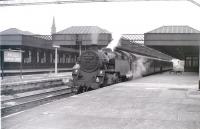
116 17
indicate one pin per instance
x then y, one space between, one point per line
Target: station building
37 51
181 42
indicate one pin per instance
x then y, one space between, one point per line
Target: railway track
26 96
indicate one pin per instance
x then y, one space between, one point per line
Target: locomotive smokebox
89 61
93 60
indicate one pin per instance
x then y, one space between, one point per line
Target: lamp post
56 57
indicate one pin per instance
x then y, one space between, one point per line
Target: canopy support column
199 68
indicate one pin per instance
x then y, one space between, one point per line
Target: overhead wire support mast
43 2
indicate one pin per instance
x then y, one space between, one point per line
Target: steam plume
140 66
115 42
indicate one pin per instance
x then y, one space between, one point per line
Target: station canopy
140 49
177 41
82 35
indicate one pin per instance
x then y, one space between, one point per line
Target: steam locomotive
104 67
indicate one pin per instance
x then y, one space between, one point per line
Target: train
100 68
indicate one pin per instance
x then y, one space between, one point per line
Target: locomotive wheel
104 82
83 89
124 78
79 90
89 89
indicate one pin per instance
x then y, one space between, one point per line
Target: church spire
53 27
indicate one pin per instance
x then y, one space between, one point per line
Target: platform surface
161 101
9 80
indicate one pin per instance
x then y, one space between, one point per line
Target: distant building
181 42
82 37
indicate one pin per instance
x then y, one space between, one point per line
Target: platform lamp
56 57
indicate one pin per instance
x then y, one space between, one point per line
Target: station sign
12 56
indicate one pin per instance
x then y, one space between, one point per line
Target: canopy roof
134 38
15 31
83 30
174 29
177 41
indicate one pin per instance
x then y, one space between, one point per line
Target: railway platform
15 72
161 101
32 77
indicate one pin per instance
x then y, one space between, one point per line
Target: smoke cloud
115 42
140 67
